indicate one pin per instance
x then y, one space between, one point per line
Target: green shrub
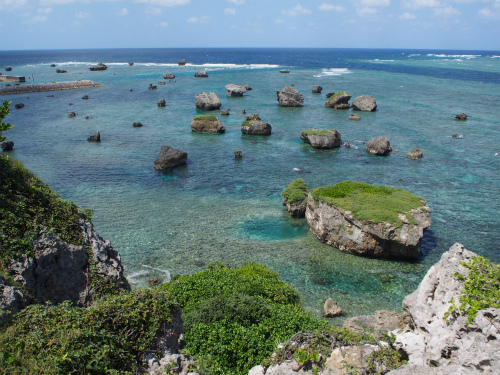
107 338
317 132
340 93
4 111
205 118
296 191
370 202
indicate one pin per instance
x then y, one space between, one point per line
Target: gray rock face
201 74
99 66
382 320
7 146
207 126
415 154
168 76
331 308
337 227
95 138
331 139
161 103
207 102
256 127
296 209
439 343
12 300
378 146
170 158
364 103
233 90
340 100
289 97
317 89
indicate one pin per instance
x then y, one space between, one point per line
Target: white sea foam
333 72
378 60
454 56
167 274
133 276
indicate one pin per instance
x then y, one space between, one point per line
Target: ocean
217 208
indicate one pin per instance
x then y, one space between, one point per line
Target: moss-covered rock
339 100
295 198
207 124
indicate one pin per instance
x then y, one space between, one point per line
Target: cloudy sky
432 24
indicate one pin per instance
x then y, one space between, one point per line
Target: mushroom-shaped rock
201 74
137 124
8 68
317 89
295 198
61 71
161 103
235 90
289 97
181 62
170 158
331 309
95 138
207 124
354 117
461 116
320 138
378 146
208 102
19 106
97 67
255 127
168 76
415 154
339 100
7 146
365 103
130 64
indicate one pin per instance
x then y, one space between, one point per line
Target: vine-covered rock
295 198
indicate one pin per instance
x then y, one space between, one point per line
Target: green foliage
235 317
296 191
340 93
318 132
107 338
205 118
4 111
370 202
481 289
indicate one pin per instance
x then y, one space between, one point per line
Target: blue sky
432 24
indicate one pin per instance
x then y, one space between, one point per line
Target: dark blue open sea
220 209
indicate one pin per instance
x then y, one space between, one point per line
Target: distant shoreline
43 87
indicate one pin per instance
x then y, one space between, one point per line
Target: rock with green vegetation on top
368 220
321 138
207 124
207 102
256 127
339 100
295 198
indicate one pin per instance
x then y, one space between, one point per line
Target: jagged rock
12 300
168 76
201 74
137 124
97 67
19 106
95 138
61 71
289 97
364 103
350 359
170 364
224 112
461 116
424 370
319 138
170 158
152 87
86 97
161 103
340 100
207 102
354 117
380 321
182 62
331 308
8 68
296 209
415 154
207 124
317 89
378 146
256 127
285 71
7 146
130 64
233 90
72 114
238 155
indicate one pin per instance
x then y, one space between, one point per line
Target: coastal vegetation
317 132
296 191
4 111
205 118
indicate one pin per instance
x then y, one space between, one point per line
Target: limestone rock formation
97 67
85 97
207 124
331 308
378 146
95 138
152 87
170 158
161 103
201 74
317 89
380 321
294 198
339 100
7 145
320 138
168 76
289 97
365 103
224 112
256 127
182 62
461 116
161 83
207 102
248 87
72 114
233 90
415 154
238 154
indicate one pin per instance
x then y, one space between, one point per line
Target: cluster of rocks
98 67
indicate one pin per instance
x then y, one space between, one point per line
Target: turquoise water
217 208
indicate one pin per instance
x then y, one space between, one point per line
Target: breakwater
53 86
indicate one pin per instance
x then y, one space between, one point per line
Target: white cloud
418 4
39 19
230 11
152 11
164 3
82 15
489 13
45 10
164 24
11 4
123 12
56 2
297 10
279 20
325 7
407 16
374 3
237 2
203 19
447 12
366 11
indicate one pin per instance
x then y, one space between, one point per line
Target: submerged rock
378 146
19 106
340 100
289 97
207 102
207 124
170 158
365 103
320 138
